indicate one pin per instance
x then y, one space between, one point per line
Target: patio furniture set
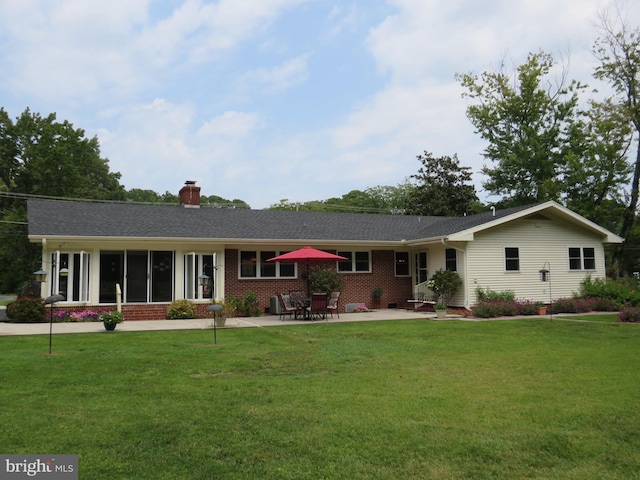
319 305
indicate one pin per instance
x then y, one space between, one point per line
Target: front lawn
421 399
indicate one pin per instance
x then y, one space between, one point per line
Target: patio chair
318 307
332 304
285 307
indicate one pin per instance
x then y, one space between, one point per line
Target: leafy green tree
216 201
618 50
526 123
40 156
443 188
142 196
597 166
393 199
382 199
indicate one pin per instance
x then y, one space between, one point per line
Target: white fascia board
559 210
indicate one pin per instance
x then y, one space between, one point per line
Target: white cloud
277 79
235 125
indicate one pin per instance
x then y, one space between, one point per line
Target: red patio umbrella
307 255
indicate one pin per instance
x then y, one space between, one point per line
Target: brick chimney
190 195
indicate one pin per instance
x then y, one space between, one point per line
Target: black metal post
50 301
215 309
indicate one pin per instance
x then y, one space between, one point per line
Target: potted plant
228 310
542 308
441 310
111 319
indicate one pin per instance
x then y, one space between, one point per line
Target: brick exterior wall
358 288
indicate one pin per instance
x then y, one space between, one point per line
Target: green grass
399 399
590 317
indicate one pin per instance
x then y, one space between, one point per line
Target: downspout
466 271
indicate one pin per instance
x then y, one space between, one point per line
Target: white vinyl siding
538 241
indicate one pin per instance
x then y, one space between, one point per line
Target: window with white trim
255 264
195 265
70 275
582 258
451 259
402 264
512 259
357 262
422 270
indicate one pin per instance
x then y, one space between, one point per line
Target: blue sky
264 100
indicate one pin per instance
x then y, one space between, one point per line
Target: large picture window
144 276
357 262
582 258
255 264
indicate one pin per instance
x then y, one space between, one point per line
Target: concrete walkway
205 323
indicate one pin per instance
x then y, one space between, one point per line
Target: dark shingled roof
91 219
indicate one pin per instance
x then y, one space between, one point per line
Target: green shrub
564 305
445 283
605 305
629 314
181 309
528 307
27 310
495 308
325 280
245 305
623 291
488 294
484 309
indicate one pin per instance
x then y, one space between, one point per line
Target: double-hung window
582 258
356 262
255 264
512 259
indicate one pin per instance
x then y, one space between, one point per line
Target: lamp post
215 309
50 301
41 277
545 276
204 281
